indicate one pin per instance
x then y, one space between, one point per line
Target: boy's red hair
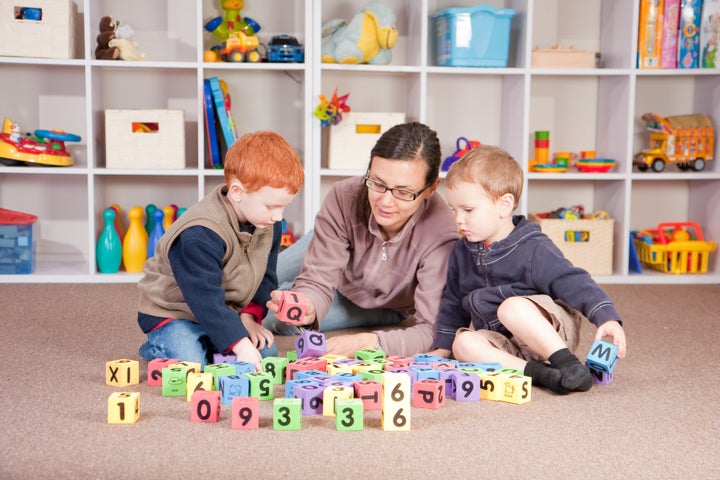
264 159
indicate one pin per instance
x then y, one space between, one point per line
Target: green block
291 355
510 371
275 366
174 382
261 385
475 370
369 355
219 370
287 414
349 414
375 375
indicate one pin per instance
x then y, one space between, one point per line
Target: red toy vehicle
45 147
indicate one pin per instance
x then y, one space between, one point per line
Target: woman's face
391 213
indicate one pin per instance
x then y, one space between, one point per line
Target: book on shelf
219 126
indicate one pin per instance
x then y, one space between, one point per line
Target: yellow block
330 394
191 367
491 384
123 407
199 381
515 389
122 372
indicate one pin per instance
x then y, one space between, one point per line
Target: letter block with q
292 308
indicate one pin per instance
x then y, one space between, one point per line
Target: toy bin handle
662 226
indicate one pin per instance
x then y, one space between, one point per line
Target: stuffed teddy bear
104 51
128 49
368 37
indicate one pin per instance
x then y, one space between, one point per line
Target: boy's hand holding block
602 356
292 307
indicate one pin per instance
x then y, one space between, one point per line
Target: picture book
650 33
669 42
710 34
689 34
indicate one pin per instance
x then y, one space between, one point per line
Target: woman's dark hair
404 142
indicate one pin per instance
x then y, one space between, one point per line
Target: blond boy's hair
264 159
490 167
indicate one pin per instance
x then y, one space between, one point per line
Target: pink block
292 308
428 393
205 406
370 392
155 367
245 413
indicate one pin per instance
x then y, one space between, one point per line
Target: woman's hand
347 345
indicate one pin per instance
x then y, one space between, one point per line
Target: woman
378 252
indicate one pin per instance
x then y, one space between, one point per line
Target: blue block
602 356
233 386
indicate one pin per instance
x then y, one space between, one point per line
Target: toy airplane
45 147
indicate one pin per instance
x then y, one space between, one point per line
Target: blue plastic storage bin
477 36
17 242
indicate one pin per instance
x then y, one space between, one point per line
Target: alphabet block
205 406
291 384
467 386
424 372
287 414
396 402
446 376
602 356
601 378
329 396
343 365
310 344
190 367
304 364
428 393
375 375
490 386
245 413
486 366
292 307
515 388
369 355
174 381
347 377
242 367
311 398
233 386
261 385
350 414
123 407
365 366
398 361
275 366
122 372
198 381
224 358
155 366
219 370
370 392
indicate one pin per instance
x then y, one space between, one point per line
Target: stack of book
219 126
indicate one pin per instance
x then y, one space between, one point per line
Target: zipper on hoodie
384 252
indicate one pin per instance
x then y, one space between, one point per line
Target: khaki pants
565 319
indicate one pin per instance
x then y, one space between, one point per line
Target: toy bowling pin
157 231
169 216
135 243
149 219
108 251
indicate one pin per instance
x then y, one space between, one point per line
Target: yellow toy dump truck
687 141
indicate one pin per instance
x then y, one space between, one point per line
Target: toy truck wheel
642 167
253 56
235 56
698 164
658 165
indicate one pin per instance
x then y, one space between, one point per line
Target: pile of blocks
318 383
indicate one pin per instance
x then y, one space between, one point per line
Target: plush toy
368 37
128 49
104 51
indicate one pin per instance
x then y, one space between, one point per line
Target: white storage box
144 139
353 138
48 29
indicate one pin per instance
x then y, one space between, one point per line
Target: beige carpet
658 419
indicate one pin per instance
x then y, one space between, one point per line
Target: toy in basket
671 248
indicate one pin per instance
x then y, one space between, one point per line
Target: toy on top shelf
687 141
462 146
237 34
367 38
674 247
45 147
116 41
285 49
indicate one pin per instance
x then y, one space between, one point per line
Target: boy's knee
466 344
512 307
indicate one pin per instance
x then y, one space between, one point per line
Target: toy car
45 147
285 48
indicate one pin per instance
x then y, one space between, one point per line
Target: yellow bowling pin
135 243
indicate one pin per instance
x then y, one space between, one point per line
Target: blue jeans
342 314
186 341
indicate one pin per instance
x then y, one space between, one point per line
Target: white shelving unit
596 109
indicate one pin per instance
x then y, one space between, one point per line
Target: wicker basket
587 244
677 257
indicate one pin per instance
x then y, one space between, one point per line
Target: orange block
205 406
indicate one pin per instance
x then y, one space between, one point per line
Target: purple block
467 386
290 384
446 375
602 378
311 397
310 344
223 358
